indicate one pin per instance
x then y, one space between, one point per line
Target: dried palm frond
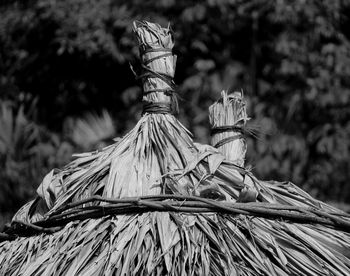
155 203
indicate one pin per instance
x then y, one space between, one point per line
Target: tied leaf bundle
157 67
228 118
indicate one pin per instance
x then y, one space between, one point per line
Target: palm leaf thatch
155 203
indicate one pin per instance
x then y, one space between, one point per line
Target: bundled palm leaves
228 118
155 203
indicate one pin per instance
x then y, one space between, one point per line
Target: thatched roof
156 203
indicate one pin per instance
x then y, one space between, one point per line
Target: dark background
66 85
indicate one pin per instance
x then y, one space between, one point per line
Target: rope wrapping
161 108
220 129
228 140
227 128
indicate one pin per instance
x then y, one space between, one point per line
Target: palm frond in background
91 130
28 151
17 134
18 137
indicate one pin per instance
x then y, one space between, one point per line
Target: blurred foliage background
66 86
